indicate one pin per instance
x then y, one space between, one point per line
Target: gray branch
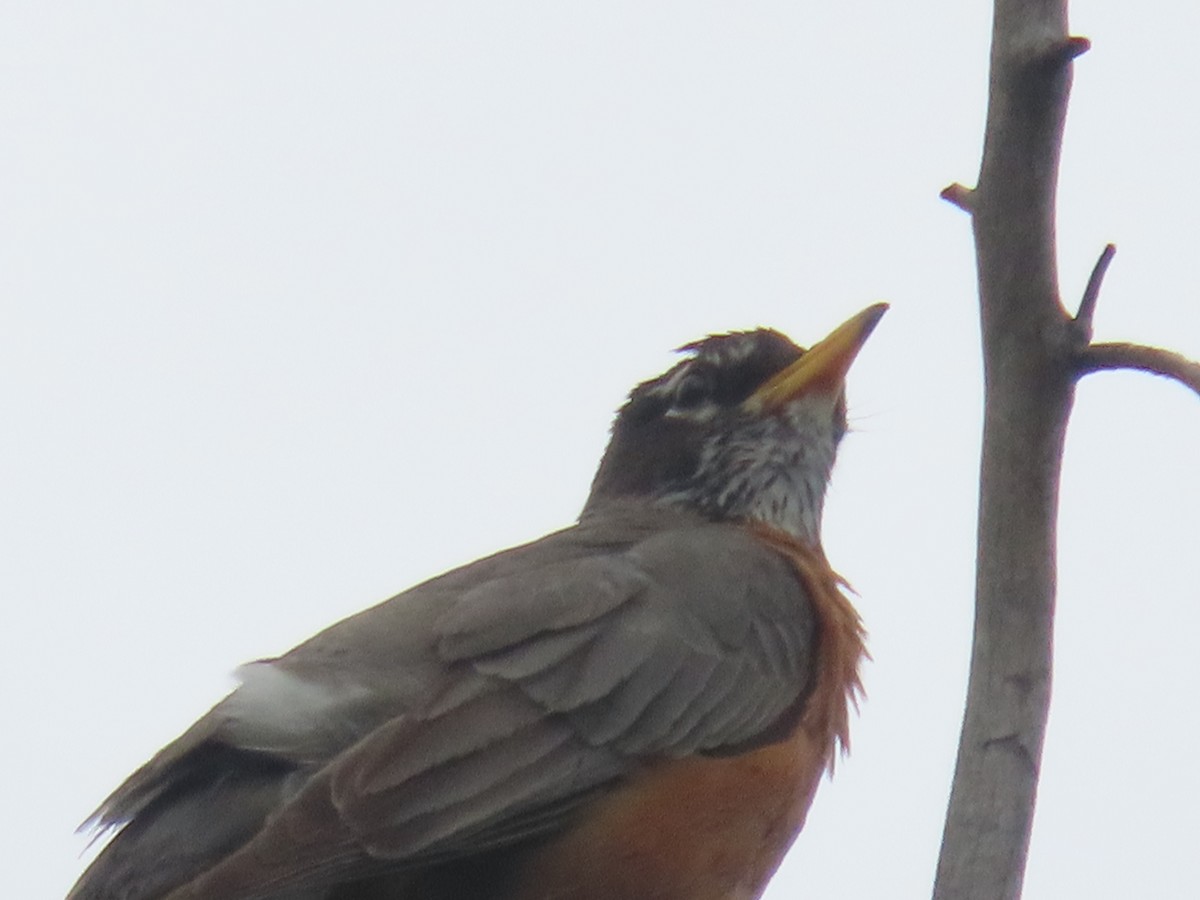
1028 345
1098 357
1034 353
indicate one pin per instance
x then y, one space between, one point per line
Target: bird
637 707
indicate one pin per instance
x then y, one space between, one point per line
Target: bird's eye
693 390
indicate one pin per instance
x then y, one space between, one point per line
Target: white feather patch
277 710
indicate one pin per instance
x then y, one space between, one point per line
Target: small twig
1056 57
960 196
1072 47
1156 360
1087 306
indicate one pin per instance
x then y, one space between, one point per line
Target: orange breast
713 828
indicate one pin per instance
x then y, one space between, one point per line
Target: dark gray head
746 427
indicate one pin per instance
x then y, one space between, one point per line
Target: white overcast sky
302 303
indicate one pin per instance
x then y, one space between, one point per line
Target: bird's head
746 427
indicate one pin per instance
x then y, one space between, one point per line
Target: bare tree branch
1156 360
1091 294
1033 353
959 196
1028 347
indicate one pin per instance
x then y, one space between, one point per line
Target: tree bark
1028 348
1033 351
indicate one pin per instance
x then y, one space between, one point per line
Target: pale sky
303 303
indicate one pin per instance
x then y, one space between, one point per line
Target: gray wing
485 706
691 641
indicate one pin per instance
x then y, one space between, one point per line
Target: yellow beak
822 368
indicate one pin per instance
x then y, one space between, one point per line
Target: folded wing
469 714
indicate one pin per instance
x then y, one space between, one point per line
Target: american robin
638 707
